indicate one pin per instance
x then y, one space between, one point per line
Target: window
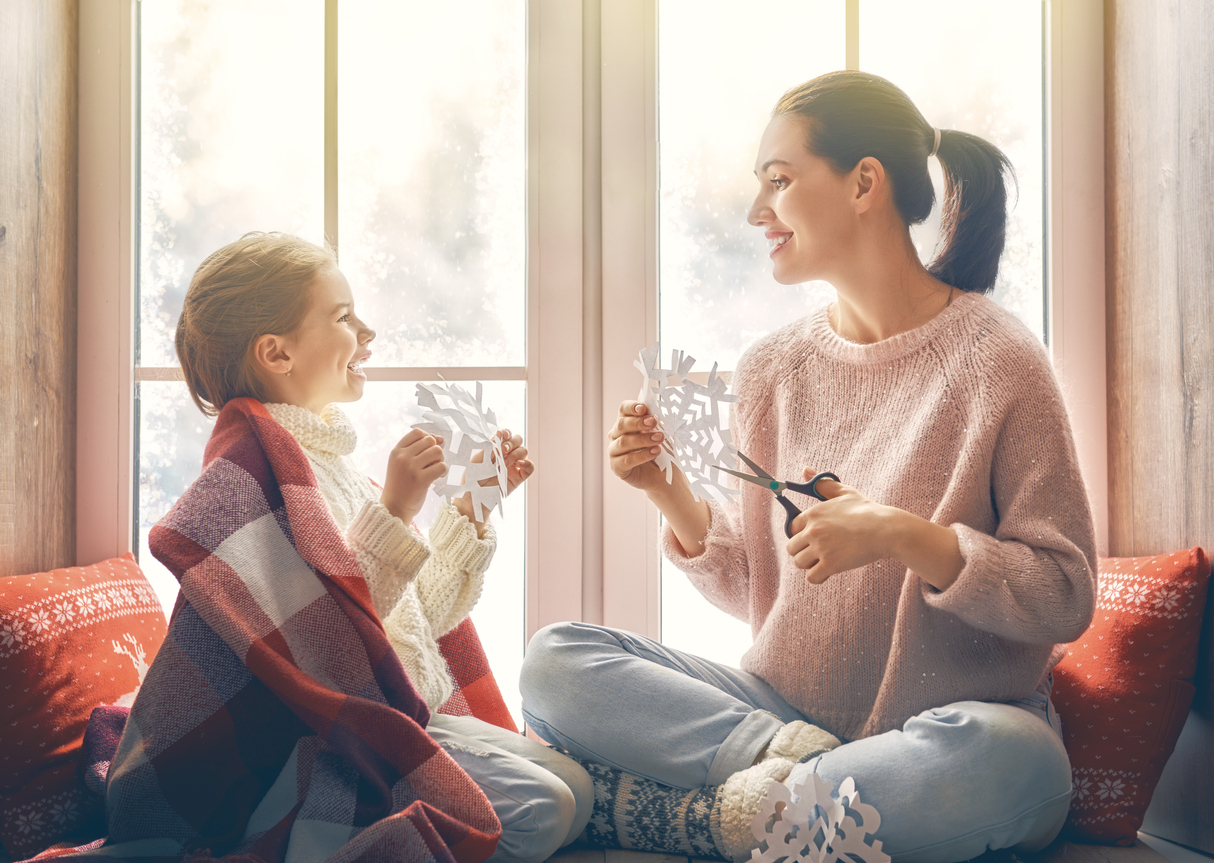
617 161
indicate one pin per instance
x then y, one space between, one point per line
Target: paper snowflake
808 824
466 427
690 415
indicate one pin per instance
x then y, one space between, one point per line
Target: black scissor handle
793 512
811 488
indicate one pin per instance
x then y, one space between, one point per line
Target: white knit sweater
419 594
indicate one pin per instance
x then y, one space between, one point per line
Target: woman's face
330 346
803 205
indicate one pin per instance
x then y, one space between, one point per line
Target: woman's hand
844 532
847 531
413 465
635 443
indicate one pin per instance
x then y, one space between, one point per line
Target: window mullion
631 589
555 308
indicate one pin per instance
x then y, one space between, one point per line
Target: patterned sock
639 814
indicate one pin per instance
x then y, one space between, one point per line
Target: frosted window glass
231 139
722 66
432 178
976 67
173 434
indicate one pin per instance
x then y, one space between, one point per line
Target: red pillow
70 640
1124 689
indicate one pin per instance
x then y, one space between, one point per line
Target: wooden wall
1159 110
37 284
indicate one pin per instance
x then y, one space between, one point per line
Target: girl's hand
413 465
518 469
635 443
844 532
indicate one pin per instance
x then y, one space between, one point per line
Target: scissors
766 480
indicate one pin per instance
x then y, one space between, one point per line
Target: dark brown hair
254 286
851 115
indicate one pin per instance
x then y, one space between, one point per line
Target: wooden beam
37 284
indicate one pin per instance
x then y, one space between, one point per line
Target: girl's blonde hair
257 285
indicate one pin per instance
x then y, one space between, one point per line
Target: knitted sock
639 814
800 741
739 802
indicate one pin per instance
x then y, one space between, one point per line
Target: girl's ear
271 355
870 183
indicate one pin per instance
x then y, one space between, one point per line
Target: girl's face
803 205
329 347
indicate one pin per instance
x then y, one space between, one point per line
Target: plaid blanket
276 720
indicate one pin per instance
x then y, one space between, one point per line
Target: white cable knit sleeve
450 582
390 553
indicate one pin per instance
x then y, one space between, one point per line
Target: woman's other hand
413 465
847 531
634 444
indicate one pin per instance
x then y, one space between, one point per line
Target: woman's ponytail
973 215
851 115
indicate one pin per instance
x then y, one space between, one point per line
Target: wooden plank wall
1159 110
38 134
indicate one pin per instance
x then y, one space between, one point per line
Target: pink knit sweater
959 421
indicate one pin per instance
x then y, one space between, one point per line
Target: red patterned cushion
70 640
1124 689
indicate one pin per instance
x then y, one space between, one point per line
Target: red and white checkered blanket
276 720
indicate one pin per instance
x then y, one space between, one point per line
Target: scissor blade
758 470
757 480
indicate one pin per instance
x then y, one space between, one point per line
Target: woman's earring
288 374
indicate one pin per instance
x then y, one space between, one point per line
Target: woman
916 614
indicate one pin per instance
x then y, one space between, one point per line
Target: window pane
173 434
975 67
230 140
432 178
721 68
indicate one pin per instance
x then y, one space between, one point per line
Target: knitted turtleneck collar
330 432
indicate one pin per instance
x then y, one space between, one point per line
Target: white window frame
591 284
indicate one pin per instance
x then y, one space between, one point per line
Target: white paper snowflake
807 823
690 415
466 427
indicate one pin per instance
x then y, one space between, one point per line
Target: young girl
905 634
269 330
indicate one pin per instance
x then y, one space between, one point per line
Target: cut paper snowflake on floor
690 415
466 427
807 823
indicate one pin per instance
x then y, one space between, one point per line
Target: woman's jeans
953 782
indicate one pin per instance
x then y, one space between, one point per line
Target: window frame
591 284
